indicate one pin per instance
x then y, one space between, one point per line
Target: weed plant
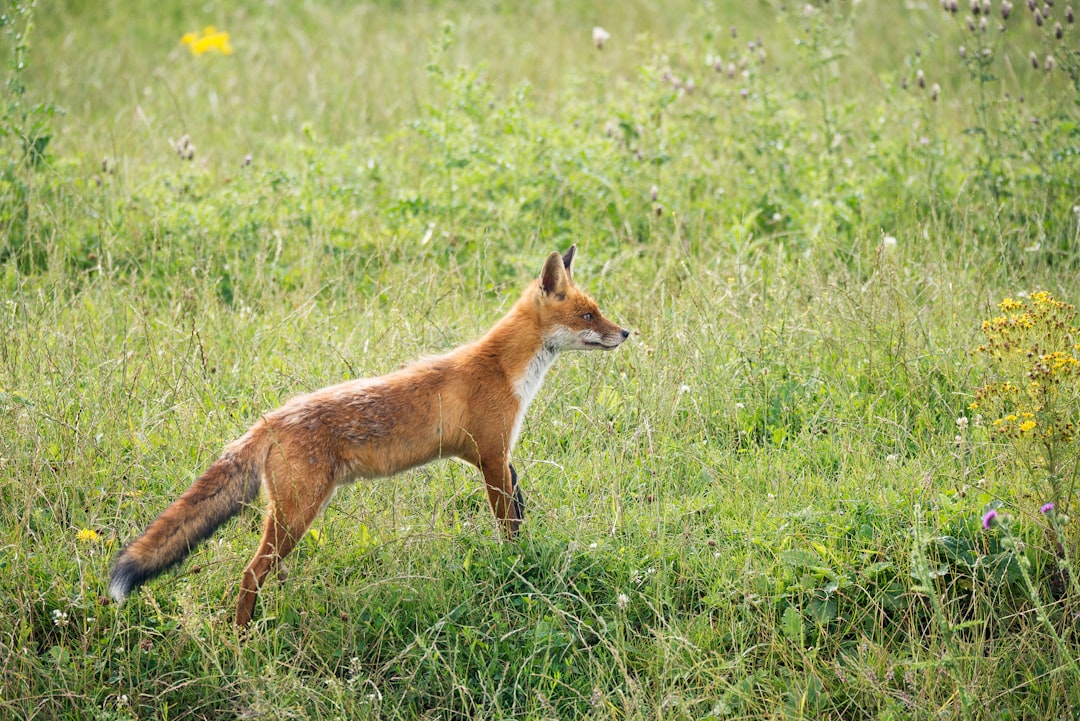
775 501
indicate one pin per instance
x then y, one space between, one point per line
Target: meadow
813 484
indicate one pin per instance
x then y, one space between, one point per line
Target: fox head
570 319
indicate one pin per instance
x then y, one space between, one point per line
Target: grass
762 506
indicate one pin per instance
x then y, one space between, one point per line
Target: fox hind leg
287 520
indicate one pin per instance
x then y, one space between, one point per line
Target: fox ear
553 277
568 259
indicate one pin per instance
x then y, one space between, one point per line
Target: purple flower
988 519
1047 507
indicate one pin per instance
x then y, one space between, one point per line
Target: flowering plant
1034 392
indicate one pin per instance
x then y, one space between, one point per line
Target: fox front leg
519 499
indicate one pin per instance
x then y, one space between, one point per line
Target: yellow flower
1027 426
87 535
211 40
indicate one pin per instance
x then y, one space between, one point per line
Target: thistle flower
989 518
1046 508
599 37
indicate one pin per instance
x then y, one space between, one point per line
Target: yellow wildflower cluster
211 40
1037 390
87 535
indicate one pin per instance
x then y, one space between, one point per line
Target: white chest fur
528 384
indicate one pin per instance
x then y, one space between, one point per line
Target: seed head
920 78
1038 18
1058 31
954 6
983 22
986 7
1069 15
1031 5
963 52
934 92
1034 59
654 193
971 23
1006 8
599 37
976 7
1049 63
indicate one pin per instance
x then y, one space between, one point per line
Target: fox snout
608 340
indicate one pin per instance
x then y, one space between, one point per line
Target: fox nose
625 333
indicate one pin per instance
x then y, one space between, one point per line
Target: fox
468 404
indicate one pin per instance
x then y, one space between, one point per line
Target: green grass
761 506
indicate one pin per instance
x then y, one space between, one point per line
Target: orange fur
468 403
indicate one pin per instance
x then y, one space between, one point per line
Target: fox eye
587 317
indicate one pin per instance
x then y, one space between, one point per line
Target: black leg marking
519 499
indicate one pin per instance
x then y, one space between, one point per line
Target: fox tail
216 496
